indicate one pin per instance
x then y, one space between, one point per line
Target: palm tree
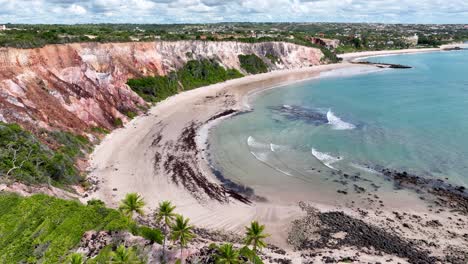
76 258
132 202
123 255
182 232
255 236
227 255
166 215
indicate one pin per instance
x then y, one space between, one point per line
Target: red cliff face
78 86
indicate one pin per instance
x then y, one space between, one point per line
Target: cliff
78 86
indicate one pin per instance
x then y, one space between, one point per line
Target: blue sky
207 11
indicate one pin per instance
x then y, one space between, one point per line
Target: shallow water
292 145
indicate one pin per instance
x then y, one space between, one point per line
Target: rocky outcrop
77 86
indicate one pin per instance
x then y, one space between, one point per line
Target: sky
212 11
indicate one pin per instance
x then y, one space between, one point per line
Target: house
3 27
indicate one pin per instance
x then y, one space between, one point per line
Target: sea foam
337 123
265 153
325 158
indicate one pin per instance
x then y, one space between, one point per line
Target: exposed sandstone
81 85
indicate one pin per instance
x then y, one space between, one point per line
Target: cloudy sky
194 11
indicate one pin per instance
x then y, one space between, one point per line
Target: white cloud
172 11
77 9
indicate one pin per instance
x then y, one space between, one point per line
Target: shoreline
162 155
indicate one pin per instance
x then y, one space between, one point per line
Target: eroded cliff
78 86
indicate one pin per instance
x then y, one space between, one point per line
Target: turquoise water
412 120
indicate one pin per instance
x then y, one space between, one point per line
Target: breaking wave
325 158
265 153
337 123
252 142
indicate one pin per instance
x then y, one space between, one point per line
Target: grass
196 73
43 229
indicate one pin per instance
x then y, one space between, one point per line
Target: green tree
132 203
255 235
182 232
75 258
123 255
166 215
226 254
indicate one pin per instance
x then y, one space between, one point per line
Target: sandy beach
125 161
161 155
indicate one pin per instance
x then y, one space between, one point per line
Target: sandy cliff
77 86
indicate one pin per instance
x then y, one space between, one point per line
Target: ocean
301 139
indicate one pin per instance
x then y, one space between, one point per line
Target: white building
3 27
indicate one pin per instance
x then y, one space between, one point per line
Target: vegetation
227 254
252 64
274 59
255 236
152 234
132 203
44 229
123 255
76 258
23 157
194 74
182 232
166 215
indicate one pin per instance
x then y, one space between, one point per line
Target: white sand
125 159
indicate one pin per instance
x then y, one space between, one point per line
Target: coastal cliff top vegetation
49 159
42 229
352 36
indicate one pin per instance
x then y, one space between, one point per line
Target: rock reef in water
78 86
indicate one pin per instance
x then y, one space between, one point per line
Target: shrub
153 235
194 74
118 122
96 202
45 229
23 157
252 64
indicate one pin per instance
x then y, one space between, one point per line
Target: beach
162 156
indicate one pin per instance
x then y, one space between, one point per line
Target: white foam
263 157
252 142
347 72
337 123
325 158
274 147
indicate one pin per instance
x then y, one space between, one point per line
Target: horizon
69 12
230 22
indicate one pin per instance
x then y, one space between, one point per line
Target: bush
153 235
45 229
194 74
252 64
274 59
118 122
96 202
23 157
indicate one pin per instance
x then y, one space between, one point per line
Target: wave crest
325 158
337 123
